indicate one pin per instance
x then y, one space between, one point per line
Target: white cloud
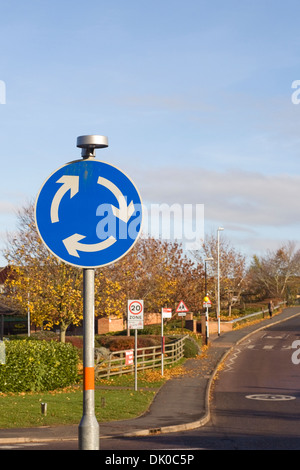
240 198
10 201
6 207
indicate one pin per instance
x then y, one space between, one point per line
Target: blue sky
194 96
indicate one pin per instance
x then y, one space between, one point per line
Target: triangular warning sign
181 307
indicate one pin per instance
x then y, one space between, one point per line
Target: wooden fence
147 358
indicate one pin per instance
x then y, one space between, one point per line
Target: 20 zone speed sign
135 314
135 307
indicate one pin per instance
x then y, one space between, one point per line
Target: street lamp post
206 311
218 301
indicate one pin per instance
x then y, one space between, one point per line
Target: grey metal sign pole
88 430
162 339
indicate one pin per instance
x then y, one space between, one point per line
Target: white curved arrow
70 182
124 212
73 246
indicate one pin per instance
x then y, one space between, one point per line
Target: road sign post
165 313
88 431
135 316
206 305
88 214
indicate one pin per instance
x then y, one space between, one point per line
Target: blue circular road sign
88 213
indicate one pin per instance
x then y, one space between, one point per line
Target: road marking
231 361
273 337
269 346
270 397
20 446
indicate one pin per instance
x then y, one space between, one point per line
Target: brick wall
152 318
107 325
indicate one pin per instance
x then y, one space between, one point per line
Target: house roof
4 309
4 273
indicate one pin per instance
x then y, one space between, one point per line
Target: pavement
181 404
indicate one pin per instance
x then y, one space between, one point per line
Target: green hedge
120 343
38 366
191 348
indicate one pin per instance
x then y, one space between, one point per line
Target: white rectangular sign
2 352
135 314
129 357
206 304
166 312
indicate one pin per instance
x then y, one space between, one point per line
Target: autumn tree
159 272
110 298
276 273
51 289
233 272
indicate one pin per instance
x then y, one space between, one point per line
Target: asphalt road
255 402
257 397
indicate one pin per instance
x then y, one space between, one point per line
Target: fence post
109 367
153 358
174 347
143 359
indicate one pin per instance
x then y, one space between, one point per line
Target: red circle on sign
137 312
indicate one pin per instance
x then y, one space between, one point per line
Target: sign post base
88 433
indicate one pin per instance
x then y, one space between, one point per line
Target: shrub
120 343
115 343
191 348
77 341
151 330
38 366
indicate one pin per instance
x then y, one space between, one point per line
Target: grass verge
115 399
65 408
